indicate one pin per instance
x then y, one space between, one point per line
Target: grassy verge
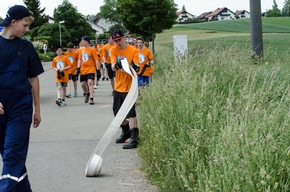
217 122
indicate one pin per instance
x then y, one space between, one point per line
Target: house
242 14
101 25
221 14
50 20
183 15
202 16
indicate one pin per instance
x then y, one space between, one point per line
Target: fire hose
93 167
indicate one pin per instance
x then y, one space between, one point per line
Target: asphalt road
61 146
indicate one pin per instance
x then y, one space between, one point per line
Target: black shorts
119 98
73 77
111 73
87 76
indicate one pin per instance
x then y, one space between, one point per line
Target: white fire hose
94 164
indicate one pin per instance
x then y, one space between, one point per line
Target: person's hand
36 119
136 67
78 71
149 64
1 109
118 65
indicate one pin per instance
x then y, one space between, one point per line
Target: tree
147 17
74 22
51 33
39 17
109 12
286 8
275 11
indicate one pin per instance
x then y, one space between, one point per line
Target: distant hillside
270 25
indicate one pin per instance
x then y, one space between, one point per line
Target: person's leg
64 85
134 140
75 79
17 129
84 85
69 85
117 103
59 96
111 75
91 87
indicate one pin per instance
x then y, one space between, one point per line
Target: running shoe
87 98
58 102
92 101
63 103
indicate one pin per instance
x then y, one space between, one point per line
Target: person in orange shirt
61 64
146 62
88 64
106 60
72 77
122 85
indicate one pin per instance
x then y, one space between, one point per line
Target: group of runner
90 63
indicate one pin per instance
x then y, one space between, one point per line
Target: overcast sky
195 7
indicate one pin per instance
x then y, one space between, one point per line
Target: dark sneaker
87 98
58 102
92 101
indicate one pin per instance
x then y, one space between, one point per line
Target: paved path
61 146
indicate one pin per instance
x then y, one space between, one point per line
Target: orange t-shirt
145 56
88 57
123 80
61 62
105 52
73 57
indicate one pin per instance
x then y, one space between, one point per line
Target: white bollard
180 47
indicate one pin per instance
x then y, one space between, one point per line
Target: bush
46 57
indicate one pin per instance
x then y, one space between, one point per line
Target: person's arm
98 66
34 82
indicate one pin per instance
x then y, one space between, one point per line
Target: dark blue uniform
18 62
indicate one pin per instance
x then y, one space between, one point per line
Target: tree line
144 18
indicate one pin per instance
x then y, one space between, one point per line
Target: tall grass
217 122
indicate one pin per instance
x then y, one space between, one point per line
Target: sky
195 7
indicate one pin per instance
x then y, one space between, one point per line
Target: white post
60 32
180 47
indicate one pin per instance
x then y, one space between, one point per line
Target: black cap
15 12
117 34
86 38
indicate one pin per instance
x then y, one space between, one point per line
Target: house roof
183 11
202 16
240 12
215 12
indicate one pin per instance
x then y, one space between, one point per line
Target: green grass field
218 121
270 25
